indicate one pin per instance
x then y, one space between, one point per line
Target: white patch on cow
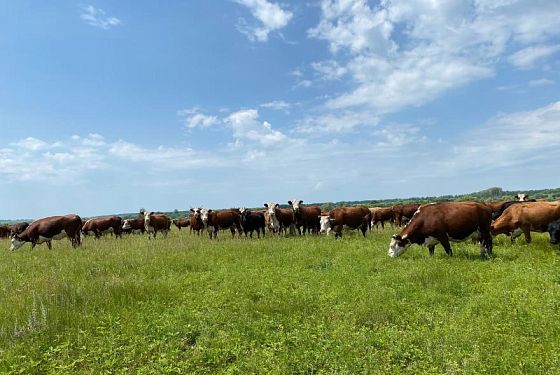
405 237
395 249
136 231
430 241
325 223
516 233
16 244
126 225
107 231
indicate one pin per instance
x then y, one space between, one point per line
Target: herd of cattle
426 224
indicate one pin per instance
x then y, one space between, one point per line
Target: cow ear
209 211
266 205
300 202
192 209
276 205
290 203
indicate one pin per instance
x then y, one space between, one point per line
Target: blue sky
110 106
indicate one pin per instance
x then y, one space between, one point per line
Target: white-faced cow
135 226
306 217
154 223
225 219
526 217
196 221
350 217
281 218
49 228
443 222
103 225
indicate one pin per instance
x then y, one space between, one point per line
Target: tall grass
278 305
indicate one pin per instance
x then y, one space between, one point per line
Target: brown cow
404 212
306 216
526 217
5 231
154 223
103 225
379 215
181 223
196 222
351 217
216 220
441 222
135 226
281 219
48 229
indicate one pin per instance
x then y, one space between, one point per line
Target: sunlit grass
281 305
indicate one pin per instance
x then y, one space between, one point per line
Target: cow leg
485 244
431 249
232 230
527 233
49 245
364 229
447 247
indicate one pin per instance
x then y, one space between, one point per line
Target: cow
156 222
351 217
522 197
195 221
554 231
281 218
526 217
403 212
18 228
5 231
181 223
252 221
496 214
103 225
225 219
48 229
270 219
441 222
379 215
135 226
306 216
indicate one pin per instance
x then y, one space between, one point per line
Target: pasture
278 305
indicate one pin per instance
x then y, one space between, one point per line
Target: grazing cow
403 212
48 229
154 223
135 226
554 231
103 225
306 216
216 220
252 221
380 215
351 217
496 214
18 228
526 217
181 223
196 221
441 222
282 219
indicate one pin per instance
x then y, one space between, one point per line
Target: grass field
279 305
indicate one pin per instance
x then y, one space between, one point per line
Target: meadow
309 305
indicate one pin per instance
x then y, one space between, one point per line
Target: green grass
279 305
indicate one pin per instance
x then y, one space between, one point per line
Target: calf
554 231
154 223
181 223
196 222
306 217
252 221
135 226
216 220
526 217
351 217
404 212
441 222
380 215
103 225
48 229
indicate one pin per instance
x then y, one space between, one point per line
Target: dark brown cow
216 220
48 229
495 206
526 217
5 231
280 219
181 223
154 223
380 215
403 212
351 217
103 225
441 222
306 216
134 226
196 222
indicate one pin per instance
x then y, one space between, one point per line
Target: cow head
204 215
554 231
326 224
126 225
16 242
398 245
271 208
296 205
522 197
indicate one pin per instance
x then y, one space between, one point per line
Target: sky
110 106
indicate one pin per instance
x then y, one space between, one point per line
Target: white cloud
541 82
277 105
528 58
403 53
193 118
336 123
32 144
270 16
247 126
98 18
